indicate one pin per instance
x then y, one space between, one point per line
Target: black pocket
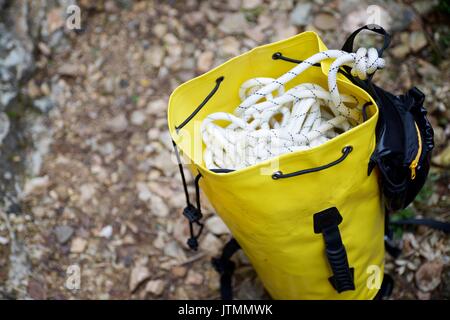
404 144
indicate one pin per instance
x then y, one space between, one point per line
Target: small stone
417 41
194 278
33 89
153 134
36 290
445 289
157 106
285 33
354 20
211 244
155 287
170 39
63 233
423 7
35 185
164 162
108 85
78 245
179 271
160 30
155 56
400 51
138 275
166 140
325 21
138 118
111 7
205 61
234 4
301 15
427 70
443 158
216 226
423 295
159 241
181 229
44 49
3 241
144 193
428 277
4 126
106 232
118 124
230 46
144 83
234 23
44 104
158 208
403 16
255 34
251 4
87 192
172 249
55 19
106 149
71 70
250 289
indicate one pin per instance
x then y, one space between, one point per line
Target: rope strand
271 121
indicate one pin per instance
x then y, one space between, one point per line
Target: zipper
415 162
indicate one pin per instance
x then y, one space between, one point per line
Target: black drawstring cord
192 213
279 55
345 152
183 178
197 110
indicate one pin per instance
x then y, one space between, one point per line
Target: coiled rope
271 121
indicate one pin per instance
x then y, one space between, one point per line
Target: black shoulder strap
393 249
225 267
348 45
387 286
431 223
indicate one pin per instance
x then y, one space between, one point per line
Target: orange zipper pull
415 162
413 167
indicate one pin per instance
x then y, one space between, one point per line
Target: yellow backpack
313 228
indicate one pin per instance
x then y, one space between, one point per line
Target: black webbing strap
348 45
434 224
225 267
392 248
327 222
386 288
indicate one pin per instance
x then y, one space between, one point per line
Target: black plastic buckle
192 213
192 242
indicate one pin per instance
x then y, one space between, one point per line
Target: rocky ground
86 181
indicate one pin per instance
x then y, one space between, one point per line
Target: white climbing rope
271 121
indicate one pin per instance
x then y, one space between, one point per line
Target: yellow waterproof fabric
273 219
